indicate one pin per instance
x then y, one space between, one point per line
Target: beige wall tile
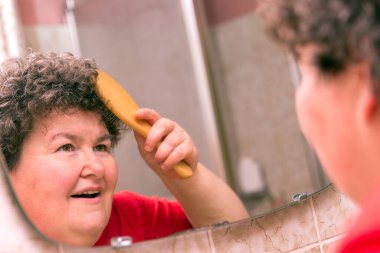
281 231
331 246
313 249
194 241
333 212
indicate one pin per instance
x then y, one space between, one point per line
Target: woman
337 47
57 138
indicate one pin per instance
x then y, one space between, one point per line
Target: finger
158 131
140 141
170 142
150 115
178 154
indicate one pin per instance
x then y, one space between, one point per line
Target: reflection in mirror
61 161
265 157
144 45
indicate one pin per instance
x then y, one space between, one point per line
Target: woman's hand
166 144
205 198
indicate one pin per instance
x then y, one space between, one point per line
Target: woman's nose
92 165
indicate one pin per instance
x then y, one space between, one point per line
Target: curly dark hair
34 85
345 31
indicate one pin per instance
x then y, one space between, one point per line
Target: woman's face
327 112
66 176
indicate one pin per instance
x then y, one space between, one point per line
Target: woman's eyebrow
66 135
74 137
104 137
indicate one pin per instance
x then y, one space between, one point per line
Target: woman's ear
368 103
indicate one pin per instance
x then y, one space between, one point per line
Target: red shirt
143 218
364 235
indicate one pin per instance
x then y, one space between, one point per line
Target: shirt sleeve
162 217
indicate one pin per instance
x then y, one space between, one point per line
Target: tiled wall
308 226
313 225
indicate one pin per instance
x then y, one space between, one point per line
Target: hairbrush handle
120 103
142 127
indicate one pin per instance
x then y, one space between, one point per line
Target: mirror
260 150
235 98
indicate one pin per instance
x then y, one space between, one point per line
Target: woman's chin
85 232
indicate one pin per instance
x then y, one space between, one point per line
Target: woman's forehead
58 117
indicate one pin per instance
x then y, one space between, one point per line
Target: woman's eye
102 148
66 148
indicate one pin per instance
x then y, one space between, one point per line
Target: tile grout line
316 244
316 225
332 239
310 246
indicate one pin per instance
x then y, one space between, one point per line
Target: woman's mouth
87 194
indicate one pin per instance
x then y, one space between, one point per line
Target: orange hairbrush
116 98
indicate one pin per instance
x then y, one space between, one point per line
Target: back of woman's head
345 31
33 86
